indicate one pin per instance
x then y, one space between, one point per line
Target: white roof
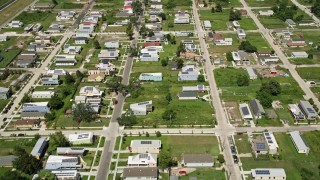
143 159
303 53
65 173
236 23
145 143
141 106
151 74
60 159
294 109
80 136
250 71
245 111
90 89
241 32
43 92
36 104
268 172
80 98
298 141
228 39
271 140
207 24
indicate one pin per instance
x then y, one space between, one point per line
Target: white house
71 49
236 24
141 108
182 18
197 88
149 57
268 173
113 44
245 111
223 42
90 91
188 73
81 138
241 34
145 146
3 38
272 142
156 5
302 54
35 107
207 24
266 13
197 160
252 74
149 50
42 94
62 162
143 160
65 60
299 143
15 24
296 112
81 40
150 77
67 174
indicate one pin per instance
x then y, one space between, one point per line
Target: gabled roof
197 158
256 107
140 172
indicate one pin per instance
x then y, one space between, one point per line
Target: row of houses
303 110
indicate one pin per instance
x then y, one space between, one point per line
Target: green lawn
258 40
8 57
272 22
3 1
3 104
44 18
242 143
205 174
88 158
218 19
65 4
264 3
291 161
7 145
13 9
181 144
309 73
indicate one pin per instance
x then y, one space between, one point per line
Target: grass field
8 57
177 145
242 143
205 174
218 19
7 145
66 4
3 104
309 73
272 22
258 40
264 3
13 9
44 18
291 161
3 1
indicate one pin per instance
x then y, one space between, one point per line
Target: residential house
183 33
70 151
122 15
34 110
197 88
301 54
272 142
141 108
65 60
296 112
65 16
188 73
149 50
268 173
40 148
256 108
37 27
42 94
266 13
81 138
207 25
67 174
55 28
252 74
201 3
155 18
299 142
241 34
43 39
155 11
71 49
143 160
81 40
145 146
25 61
3 38
7 161
308 110
28 27
15 24
80 99
197 160
188 95
62 162
27 123
143 173
59 72
245 111
110 54
306 23
90 91
149 57
96 77
49 81
150 77
182 18
296 42
154 26
153 39
156 5
4 93
290 22
240 57
210 35
112 44
190 47
236 24
259 146
220 41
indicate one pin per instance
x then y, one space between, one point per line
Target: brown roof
197 158
26 122
296 44
218 36
151 44
94 76
140 172
264 52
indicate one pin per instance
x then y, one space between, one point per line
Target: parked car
235 159
233 150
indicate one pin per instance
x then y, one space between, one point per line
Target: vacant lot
7 145
44 18
205 174
8 56
66 4
291 161
242 143
258 40
13 9
309 73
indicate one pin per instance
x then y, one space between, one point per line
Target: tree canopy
25 162
169 114
57 140
243 80
114 84
55 102
166 160
83 112
127 119
234 15
315 9
247 46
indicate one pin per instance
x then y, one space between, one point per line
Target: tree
173 40
229 56
26 99
163 16
114 84
96 44
272 87
55 102
65 91
133 51
25 162
179 63
311 101
79 74
166 160
54 2
168 37
170 25
315 9
169 97
147 134
234 15
218 8
50 116
243 80
12 175
247 46
306 174
181 49
37 136
299 18
127 119
264 98
129 31
221 159
83 112
46 175
158 134
164 62
134 88
57 140
151 33
212 10
169 114
170 5
69 79
201 78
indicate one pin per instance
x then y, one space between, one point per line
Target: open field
309 73
7 145
242 143
66 4
44 18
8 57
218 19
205 174
177 145
2 2
264 3
258 40
291 161
13 9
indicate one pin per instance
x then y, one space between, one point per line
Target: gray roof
140 172
145 143
298 141
188 94
7 160
70 150
4 90
268 172
39 147
307 108
197 158
256 107
32 114
260 144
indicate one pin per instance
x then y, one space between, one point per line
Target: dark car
235 159
20 134
233 150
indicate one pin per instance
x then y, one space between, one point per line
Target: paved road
266 33
306 10
46 62
113 129
232 169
